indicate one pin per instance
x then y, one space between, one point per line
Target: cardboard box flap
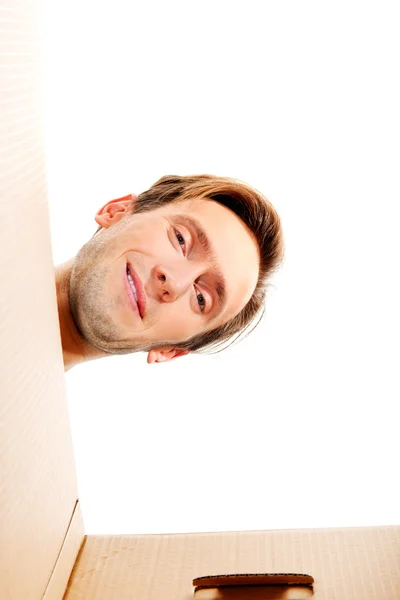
38 483
348 563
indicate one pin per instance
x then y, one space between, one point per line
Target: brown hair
258 215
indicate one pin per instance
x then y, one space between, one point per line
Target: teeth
132 286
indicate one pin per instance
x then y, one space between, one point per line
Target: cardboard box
44 552
38 494
347 564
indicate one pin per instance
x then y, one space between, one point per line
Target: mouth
137 297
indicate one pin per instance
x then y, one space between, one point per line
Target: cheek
149 241
176 320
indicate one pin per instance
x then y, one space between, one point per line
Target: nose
171 283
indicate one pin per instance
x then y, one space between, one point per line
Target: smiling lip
141 300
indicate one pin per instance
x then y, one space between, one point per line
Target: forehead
234 245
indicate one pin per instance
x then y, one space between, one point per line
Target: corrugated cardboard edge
72 543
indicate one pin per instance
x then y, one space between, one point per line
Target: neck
75 348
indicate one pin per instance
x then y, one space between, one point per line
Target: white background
297 426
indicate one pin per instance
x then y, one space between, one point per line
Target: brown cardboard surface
347 564
38 489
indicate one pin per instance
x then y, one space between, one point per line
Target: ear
115 210
165 354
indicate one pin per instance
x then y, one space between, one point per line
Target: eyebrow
205 243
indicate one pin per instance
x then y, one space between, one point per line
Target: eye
180 238
201 301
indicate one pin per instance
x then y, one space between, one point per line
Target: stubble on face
91 302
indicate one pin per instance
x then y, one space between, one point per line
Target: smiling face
160 277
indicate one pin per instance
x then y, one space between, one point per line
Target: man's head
181 267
